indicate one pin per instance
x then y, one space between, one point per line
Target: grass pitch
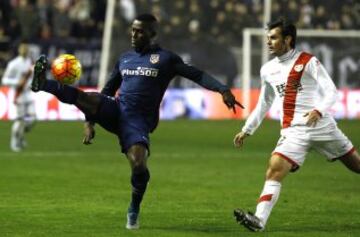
59 187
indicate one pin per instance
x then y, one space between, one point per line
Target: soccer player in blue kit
141 75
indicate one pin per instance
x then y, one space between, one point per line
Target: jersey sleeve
114 81
264 103
326 85
200 77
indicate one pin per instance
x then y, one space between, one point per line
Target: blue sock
66 94
139 183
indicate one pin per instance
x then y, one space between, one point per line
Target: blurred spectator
28 19
320 18
221 19
45 32
128 10
61 22
306 12
44 11
82 23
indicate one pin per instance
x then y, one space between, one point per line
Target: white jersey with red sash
302 84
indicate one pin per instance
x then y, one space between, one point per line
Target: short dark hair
149 19
146 17
287 28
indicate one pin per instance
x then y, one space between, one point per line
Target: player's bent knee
137 156
278 168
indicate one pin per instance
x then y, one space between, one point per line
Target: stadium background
207 34
59 187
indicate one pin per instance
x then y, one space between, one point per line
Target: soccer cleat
39 78
248 220
16 148
132 221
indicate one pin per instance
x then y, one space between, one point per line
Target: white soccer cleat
15 145
132 221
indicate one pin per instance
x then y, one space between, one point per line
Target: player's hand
230 101
89 133
312 118
239 139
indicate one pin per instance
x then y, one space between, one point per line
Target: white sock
267 200
17 133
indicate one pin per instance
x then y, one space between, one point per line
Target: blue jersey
142 79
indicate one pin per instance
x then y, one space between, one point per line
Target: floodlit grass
59 187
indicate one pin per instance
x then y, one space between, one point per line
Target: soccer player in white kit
17 74
307 93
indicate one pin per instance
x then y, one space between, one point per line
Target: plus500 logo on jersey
140 71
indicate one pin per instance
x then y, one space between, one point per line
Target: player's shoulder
15 62
304 54
17 59
168 55
167 52
312 60
127 54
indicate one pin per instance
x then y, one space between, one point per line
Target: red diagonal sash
291 88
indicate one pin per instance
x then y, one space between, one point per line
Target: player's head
23 49
143 31
281 36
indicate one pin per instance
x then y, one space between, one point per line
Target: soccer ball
66 69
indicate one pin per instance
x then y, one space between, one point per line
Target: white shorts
25 111
294 144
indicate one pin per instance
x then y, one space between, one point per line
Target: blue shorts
131 128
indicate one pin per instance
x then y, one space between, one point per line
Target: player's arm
114 81
8 78
206 81
20 87
326 86
264 103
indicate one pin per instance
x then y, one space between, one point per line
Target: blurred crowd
222 20
47 19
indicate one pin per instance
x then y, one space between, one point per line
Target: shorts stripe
294 167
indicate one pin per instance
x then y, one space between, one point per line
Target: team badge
154 58
299 67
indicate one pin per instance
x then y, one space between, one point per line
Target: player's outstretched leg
87 102
249 220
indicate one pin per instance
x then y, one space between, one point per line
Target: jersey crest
154 58
299 67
